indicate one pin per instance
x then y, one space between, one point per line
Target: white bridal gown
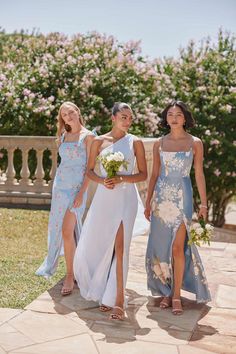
95 261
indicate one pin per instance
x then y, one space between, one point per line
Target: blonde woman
68 194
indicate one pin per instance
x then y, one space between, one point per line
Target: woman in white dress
102 256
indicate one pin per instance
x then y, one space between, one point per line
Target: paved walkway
70 325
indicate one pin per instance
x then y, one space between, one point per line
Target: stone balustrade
24 190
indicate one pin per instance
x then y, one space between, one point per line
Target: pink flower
214 142
32 95
10 66
207 132
228 108
2 77
51 98
217 172
26 92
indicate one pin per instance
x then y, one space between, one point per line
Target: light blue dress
68 181
172 206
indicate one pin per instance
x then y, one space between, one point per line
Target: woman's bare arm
200 177
153 179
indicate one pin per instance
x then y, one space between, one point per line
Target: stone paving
70 325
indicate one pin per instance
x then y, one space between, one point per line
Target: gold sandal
177 311
117 316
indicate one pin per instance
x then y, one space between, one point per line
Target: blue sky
162 26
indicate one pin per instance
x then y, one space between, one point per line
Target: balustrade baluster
25 173
10 172
39 173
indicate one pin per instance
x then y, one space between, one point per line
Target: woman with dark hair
171 263
68 193
102 256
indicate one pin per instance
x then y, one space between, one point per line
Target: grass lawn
23 246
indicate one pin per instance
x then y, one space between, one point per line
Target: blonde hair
61 126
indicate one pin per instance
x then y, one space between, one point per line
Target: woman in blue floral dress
68 194
171 263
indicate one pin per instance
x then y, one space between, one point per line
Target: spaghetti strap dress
172 206
67 183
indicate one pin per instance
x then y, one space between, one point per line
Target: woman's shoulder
196 140
158 142
88 132
99 139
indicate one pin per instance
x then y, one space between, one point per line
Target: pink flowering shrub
38 72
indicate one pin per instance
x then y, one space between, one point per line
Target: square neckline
74 141
175 152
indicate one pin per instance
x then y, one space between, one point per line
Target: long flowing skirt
164 226
95 260
62 199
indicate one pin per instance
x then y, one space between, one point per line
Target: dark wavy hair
189 120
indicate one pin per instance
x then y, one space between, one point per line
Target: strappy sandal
117 316
104 308
67 290
175 310
165 302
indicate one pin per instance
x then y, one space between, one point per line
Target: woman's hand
202 212
108 183
115 179
111 182
78 200
147 211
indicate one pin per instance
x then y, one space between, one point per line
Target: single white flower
195 226
168 211
109 158
165 270
209 227
199 231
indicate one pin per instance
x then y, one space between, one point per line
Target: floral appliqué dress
67 183
172 206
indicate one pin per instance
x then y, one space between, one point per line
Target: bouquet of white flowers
200 232
113 163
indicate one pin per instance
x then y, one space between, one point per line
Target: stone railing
38 191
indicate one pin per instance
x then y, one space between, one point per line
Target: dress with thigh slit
95 260
68 181
173 206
